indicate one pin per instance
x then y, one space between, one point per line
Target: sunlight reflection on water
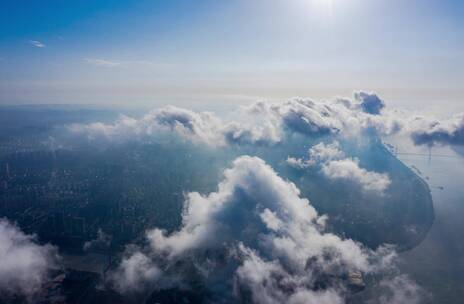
437 264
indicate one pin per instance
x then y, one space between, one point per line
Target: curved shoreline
429 205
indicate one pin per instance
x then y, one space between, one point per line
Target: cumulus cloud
431 132
198 127
348 169
134 272
267 282
301 116
309 118
369 102
265 123
250 189
102 62
37 43
335 165
262 133
257 234
260 123
336 117
24 264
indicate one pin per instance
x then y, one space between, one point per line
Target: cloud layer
369 103
198 127
24 264
254 239
260 123
336 117
266 123
431 132
134 273
335 165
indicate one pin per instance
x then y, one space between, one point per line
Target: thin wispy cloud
102 62
37 43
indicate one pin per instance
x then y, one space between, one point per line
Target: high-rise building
7 170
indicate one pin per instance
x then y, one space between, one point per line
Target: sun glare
323 6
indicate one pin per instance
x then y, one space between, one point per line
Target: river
437 264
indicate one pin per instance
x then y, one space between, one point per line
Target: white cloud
267 282
349 170
400 290
369 102
102 62
337 117
253 187
335 165
260 123
37 43
263 123
325 153
24 265
425 131
298 163
257 132
198 127
258 233
134 272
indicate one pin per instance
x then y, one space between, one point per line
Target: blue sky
148 53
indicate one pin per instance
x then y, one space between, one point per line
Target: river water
437 264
